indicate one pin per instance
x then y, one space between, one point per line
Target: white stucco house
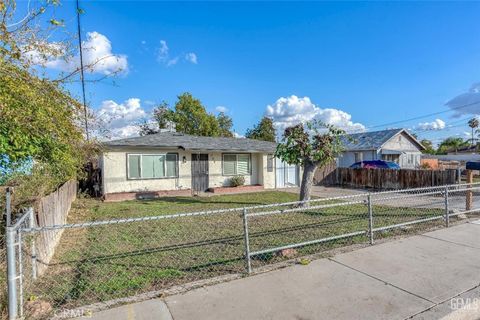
396 145
171 163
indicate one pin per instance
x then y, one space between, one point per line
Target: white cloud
163 50
121 119
172 62
437 124
191 57
239 136
124 132
97 57
221 109
466 103
292 110
164 57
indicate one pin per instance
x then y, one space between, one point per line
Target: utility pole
82 76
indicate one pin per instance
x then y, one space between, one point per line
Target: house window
391 157
152 166
411 159
236 164
358 156
270 163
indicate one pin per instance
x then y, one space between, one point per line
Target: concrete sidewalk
414 277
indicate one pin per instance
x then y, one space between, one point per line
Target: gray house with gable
396 145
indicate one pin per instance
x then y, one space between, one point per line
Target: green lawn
106 262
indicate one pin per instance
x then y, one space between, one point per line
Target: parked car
376 164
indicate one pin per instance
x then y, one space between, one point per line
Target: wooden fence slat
52 210
388 178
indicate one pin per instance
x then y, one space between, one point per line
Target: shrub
237 181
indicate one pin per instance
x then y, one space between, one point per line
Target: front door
200 172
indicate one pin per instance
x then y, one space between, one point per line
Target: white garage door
287 175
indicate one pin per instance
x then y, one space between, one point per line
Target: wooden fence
322 173
52 210
388 178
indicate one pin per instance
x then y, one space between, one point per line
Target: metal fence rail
100 261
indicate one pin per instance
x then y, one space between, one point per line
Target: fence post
11 273
469 195
8 206
247 242
370 218
447 214
31 220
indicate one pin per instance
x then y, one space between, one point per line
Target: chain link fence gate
101 263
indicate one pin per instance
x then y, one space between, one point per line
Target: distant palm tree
473 123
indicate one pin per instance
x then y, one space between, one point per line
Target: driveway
411 278
457 201
327 192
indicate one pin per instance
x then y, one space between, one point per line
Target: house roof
374 140
189 142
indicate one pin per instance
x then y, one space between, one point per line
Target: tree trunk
307 181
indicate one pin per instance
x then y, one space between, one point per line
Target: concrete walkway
415 277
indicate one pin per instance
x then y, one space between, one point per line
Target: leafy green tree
39 124
162 119
162 115
188 116
225 124
429 149
311 146
191 117
451 144
264 130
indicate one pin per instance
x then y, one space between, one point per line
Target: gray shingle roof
369 140
188 142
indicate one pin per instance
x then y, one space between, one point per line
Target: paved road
414 277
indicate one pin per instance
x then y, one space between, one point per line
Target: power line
82 76
424 116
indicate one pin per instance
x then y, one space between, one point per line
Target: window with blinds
236 164
151 166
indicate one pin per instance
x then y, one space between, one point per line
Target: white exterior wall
114 172
265 178
414 160
408 147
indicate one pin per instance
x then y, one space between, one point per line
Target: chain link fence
99 262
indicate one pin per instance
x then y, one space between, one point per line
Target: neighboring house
170 163
465 150
395 145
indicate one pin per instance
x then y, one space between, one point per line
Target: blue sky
378 62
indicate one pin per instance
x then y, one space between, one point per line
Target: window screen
149 166
229 164
234 164
153 166
243 164
171 165
134 166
